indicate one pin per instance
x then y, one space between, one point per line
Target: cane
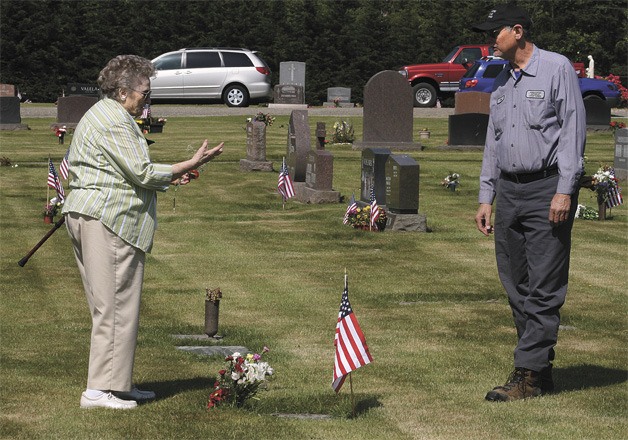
57 225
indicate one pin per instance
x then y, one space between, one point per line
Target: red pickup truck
431 81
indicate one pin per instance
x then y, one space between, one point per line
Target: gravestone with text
291 88
402 194
338 97
70 109
319 179
388 116
621 154
374 174
82 89
255 148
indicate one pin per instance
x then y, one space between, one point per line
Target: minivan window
169 62
236 59
195 60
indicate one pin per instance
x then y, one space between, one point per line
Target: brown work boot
521 384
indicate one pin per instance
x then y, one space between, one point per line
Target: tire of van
424 95
236 96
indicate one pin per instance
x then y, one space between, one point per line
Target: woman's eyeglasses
145 94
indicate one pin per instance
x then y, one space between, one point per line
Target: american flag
351 349
63 168
614 196
284 185
145 111
374 209
54 182
350 209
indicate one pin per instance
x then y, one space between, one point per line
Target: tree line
46 44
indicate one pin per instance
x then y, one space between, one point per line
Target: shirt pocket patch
536 111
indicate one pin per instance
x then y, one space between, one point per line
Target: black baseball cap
504 15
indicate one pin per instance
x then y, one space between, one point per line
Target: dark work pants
533 265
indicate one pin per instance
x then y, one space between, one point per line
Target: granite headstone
374 174
388 113
621 154
298 145
598 114
402 184
255 148
70 109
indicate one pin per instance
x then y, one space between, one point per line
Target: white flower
235 375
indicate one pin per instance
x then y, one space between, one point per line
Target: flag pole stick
48 186
352 398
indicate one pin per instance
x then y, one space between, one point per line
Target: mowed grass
433 311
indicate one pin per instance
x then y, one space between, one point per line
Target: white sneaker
106 400
137 395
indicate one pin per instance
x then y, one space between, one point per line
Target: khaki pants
112 272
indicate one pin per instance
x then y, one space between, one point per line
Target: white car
234 76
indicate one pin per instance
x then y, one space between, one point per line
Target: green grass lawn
430 304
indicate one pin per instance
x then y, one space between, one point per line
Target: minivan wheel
424 95
236 96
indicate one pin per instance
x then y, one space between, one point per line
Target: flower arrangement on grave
266 118
451 181
586 213
605 184
213 295
52 207
336 102
360 218
145 123
343 133
616 125
240 380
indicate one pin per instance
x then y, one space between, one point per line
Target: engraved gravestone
319 178
255 148
374 174
338 97
298 145
288 94
82 89
10 118
70 109
388 113
402 184
292 72
621 154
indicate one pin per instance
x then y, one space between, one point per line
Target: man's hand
483 219
559 209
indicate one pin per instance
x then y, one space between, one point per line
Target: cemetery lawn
435 317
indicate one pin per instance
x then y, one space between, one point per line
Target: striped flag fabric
63 168
614 196
284 185
54 182
374 209
351 349
351 208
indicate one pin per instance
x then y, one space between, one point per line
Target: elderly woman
111 219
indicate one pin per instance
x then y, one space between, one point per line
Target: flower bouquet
343 133
360 218
266 118
606 186
240 380
452 181
51 209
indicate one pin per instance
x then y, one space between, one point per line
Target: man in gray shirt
532 164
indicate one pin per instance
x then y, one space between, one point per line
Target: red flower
222 373
193 174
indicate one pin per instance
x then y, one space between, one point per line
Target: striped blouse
111 175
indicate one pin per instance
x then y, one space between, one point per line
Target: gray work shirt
537 121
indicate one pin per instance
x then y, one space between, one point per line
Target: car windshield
450 55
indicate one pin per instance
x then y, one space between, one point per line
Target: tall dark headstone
402 195
388 113
402 184
468 130
10 117
621 154
298 145
598 114
374 174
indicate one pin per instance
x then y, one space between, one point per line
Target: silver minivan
235 76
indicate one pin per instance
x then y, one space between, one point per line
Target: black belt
530 177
